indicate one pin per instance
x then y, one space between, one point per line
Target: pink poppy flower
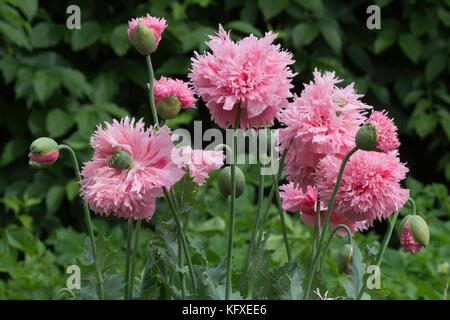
387 139
294 200
166 86
322 121
129 193
157 25
252 73
370 186
199 162
407 241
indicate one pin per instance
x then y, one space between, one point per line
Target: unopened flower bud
413 233
419 230
169 107
345 258
144 39
120 160
366 137
43 152
224 181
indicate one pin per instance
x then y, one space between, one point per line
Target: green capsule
224 181
120 160
169 107
419 230
344 258
366 137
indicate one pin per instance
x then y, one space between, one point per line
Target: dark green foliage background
61 83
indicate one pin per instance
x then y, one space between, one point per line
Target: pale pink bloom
407 241
166 86
129 193
157 25
252 73
200 162
387 139
324 296
370 186
322 121
294 200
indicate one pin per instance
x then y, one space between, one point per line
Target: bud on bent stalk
224 181
169 107
419 230
43 153
345 258
120 160
144 39
366 137
413 233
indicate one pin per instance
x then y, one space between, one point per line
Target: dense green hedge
61 83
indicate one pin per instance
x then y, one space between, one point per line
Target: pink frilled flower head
199 162
370 186
252 73
157 25
322 121
166 86
387 139
407 241
293 199
130 192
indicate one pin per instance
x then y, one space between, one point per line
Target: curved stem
87 217
316 226
232 206
384 245
255 227
152 87
283 223
180 264
349 241
127 260
413 204
311 271
133 260
183 238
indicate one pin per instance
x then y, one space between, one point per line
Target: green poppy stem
151 96
127 260
349 241
133 259
87 217
283 223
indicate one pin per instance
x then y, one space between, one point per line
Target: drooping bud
366 137
169 107
345 258
43 152
144 39
224 181
120 160
413 233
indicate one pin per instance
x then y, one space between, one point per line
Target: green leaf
270 8
44 35
119 41
72 189
86 36
212 226
113 110
381 93
36 123
54 198
13 150
435 66
59 122
425 124
315 6
45 84
78 140
29 7
113 287
411 46
303 34
21 239
243 27
183 118
444 15
384 40
75 81
15 35
330 31
360 58
445 121
174 65
354 283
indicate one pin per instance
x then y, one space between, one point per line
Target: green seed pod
169 107
366 137
344 258
144 39
224 181
120 160
419 230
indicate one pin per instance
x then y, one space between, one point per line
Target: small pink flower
370 186
407 241
294 200
387 139
322 121
129 193
324 296
252 73
157 25
200 162
166 86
